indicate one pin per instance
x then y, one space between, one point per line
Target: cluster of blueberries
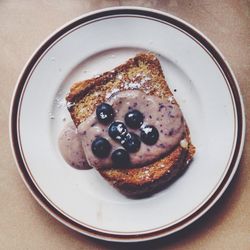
118 131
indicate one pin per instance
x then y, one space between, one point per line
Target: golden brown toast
83 98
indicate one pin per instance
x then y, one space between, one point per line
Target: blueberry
105 113
101 147
117 131
120 158
149 135
131 143
134 119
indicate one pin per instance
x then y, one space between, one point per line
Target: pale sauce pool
71 149
163 114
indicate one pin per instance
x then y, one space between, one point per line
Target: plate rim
162 16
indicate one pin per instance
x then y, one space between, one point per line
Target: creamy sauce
163 114
70 146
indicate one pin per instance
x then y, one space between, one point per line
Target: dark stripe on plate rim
166 19
26 164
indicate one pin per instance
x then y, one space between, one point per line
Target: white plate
205 89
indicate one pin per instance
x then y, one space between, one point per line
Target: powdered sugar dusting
70 104
136 82
60 102
119 76
132 85
109 94
171 99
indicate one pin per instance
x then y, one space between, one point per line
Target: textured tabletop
24 25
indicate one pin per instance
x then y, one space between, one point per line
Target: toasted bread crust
83 98
147 180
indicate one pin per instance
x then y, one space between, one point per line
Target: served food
129 128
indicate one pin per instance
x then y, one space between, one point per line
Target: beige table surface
23 223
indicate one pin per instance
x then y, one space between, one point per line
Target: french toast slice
143 72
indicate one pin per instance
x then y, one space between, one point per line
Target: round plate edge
15 101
